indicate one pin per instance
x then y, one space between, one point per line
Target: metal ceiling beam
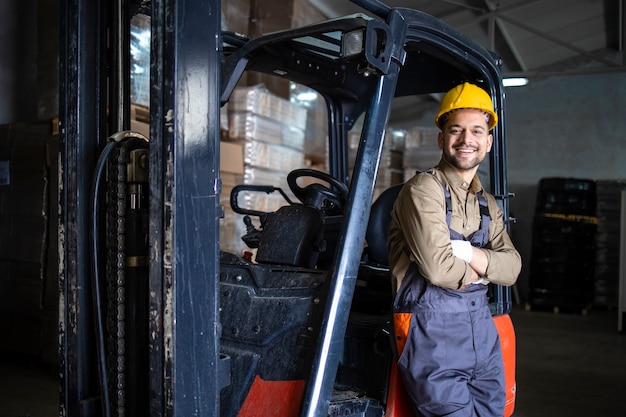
501 18
503 9
558 41
514 7
511 44
491 31
495 21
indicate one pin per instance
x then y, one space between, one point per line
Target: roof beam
495 21
558 41
502 9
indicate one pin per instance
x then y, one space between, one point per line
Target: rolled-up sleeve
504 261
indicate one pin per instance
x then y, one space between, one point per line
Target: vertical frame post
81 126
184 210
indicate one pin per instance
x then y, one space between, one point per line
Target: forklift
155 318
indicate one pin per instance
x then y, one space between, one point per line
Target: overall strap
480 237
446 193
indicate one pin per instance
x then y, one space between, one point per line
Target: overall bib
450 358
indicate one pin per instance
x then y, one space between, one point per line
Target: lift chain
116 209
127 276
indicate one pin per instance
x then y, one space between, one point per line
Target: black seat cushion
378 226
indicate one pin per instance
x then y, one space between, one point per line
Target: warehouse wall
29 81
29 42
566 126
28 242
17 68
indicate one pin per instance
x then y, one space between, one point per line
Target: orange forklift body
282 398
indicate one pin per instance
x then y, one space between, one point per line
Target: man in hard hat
447 240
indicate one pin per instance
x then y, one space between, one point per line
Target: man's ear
489 142
440 140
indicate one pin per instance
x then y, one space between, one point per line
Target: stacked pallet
563 244
608 209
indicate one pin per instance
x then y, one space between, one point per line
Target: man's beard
464 164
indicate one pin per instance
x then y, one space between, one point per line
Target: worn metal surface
81 130
184 211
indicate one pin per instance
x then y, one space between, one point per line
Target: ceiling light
306 96
514 82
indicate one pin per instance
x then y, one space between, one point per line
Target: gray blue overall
452 363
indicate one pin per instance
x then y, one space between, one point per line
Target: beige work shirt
419 232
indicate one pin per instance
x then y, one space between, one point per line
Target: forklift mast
156 344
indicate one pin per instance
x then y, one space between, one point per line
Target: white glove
462 249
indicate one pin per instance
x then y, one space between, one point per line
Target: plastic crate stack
390 171
270 133
608 211
563 244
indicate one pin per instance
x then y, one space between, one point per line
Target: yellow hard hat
466 96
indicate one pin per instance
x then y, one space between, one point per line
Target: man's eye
455 131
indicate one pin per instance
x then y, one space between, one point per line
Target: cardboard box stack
316 131
421 150
271 16
264 143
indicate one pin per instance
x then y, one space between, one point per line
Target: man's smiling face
465 139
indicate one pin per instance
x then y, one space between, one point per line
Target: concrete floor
568 365
27 389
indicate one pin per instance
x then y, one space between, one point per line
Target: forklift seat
378 226
293 235
373 294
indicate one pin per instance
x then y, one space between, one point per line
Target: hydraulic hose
95 261
95 274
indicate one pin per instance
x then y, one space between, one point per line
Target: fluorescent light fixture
514 82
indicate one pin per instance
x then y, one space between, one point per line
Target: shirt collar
456 181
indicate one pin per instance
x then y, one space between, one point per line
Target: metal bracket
380 45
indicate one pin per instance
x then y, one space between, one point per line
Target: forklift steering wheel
315 194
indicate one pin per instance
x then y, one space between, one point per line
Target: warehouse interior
564 149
